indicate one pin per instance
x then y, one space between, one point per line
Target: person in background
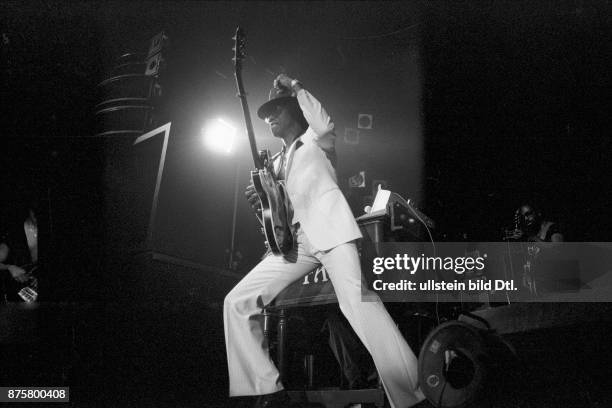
530 226
19 256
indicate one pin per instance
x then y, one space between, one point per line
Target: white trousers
252 372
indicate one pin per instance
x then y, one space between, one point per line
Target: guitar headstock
239 48
518 219
239 56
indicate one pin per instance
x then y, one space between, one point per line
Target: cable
421 220
433 244
442 393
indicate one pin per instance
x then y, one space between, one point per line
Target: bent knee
230 301
356 304
239 302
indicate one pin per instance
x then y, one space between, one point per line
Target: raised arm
315 114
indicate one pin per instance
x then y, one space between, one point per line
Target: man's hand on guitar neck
515 234
17 273
253 198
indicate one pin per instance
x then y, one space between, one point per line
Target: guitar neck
249 129
239 55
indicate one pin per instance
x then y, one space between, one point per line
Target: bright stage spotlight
219 136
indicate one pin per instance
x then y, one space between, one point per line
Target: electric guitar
271 192
22 291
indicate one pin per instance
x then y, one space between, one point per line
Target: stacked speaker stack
132 92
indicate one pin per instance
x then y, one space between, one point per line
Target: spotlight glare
219 136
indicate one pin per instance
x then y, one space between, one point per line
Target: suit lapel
291 153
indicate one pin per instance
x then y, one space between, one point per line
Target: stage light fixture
219 136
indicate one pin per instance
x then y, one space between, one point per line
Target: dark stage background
476 107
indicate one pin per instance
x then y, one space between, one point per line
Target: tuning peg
234 38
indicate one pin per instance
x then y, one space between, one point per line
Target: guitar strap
288 154
280 177
280 171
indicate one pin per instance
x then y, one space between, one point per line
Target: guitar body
274 215
271 192
18 291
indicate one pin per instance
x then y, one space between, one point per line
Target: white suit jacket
310 176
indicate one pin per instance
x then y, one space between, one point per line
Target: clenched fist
284 81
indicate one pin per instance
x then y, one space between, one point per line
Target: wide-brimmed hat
279 96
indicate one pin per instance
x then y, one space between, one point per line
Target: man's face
279 120
529 215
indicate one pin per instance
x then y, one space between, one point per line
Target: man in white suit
325 233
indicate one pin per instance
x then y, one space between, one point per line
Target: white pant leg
396 363
251 371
